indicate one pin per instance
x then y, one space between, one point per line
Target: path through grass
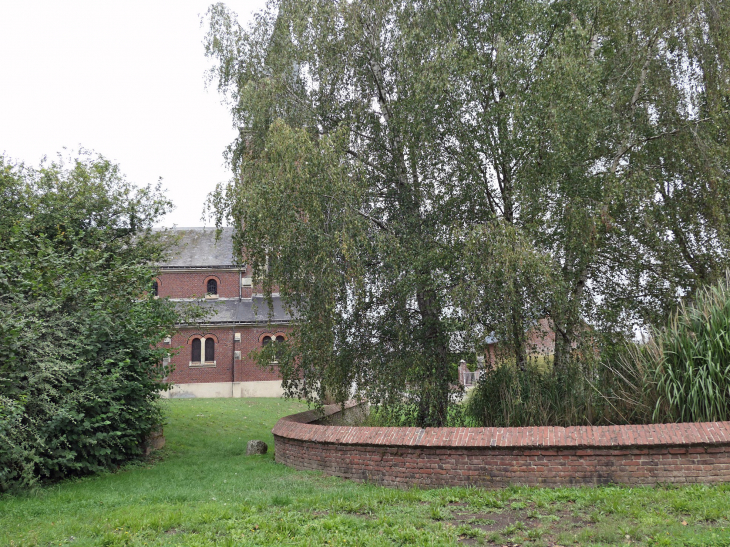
203 490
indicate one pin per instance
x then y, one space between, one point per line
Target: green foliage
499 260
694 375
507 396
681 374
424 174
687 364
405 415
80 371
353 229
628 388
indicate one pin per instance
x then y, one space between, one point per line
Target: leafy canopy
81 371
418 175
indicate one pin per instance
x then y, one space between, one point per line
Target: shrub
687 364
404 415
682 374
80 369
509 397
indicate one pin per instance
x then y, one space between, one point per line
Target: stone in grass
256 447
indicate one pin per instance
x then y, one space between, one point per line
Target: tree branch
379 223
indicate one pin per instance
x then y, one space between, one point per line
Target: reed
509 397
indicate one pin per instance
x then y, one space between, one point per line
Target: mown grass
203 490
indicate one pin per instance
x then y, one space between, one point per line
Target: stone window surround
272 338
202 338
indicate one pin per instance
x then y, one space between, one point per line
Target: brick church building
213 356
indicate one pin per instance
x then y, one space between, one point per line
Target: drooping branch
627 144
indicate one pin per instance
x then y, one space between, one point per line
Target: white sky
125 79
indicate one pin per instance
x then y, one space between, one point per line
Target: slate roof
198 248
236 311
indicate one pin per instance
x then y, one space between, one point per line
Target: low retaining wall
485 456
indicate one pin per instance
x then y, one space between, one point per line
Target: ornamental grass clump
508 396
682 373
692 358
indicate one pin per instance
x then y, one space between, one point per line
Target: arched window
266 340
195 352
279 349
209 350
212 287
155 288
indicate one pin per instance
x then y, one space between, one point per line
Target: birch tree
415 175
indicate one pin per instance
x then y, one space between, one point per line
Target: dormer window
212 287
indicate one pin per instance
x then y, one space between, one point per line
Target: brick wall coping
299 427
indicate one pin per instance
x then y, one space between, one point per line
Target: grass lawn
203 490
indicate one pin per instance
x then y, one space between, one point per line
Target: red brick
226 369
640 454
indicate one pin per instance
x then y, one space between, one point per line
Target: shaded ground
203 490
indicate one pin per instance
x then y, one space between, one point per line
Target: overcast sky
125 79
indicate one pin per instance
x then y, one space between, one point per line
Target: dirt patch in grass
526 524
492 522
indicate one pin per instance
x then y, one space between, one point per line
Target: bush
687 364
682 374
509 397
80 369
404 415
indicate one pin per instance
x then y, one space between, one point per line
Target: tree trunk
518 334
433 401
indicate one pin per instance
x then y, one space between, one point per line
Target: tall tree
582 124
667 162
426 173
347 190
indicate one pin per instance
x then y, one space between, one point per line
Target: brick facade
552 456
227 368
235 312
192 284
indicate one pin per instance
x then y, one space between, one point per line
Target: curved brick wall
635 454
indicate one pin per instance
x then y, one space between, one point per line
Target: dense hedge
79 366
